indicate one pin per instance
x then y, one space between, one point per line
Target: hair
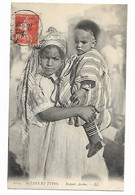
88 25
62 56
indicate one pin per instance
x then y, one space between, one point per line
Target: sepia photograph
67 96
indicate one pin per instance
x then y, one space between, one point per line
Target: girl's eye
45 57
55 58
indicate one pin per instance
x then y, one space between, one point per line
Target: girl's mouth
48 69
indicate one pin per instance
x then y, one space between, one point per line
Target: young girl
56 150
90 84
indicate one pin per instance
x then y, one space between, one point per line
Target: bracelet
86 87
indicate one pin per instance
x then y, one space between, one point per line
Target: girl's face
84 41
51 61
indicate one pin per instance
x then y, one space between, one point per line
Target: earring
39 61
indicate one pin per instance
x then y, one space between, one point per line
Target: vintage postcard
67 96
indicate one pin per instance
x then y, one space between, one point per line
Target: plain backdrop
4 99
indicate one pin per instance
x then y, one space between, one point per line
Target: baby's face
51 61
84 41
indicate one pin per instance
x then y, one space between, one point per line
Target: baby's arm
80 94
77 96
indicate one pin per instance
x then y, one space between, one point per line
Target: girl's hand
87 114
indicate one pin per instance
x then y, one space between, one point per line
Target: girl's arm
58 113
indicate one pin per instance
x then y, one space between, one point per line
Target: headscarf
53 37
24 112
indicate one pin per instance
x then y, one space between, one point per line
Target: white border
4 93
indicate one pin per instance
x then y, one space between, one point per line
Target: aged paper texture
51 153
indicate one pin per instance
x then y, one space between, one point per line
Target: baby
89 83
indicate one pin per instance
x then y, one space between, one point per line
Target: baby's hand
77 96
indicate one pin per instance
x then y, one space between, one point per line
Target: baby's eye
83 42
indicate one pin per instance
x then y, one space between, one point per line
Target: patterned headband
53 37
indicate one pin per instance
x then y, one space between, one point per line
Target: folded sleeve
89 77
39 101
90 70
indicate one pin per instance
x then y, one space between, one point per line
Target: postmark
26 27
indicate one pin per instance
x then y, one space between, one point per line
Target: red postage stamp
26 29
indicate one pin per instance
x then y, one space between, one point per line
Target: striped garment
87 67
93 67
26 84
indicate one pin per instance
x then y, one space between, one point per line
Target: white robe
57 150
